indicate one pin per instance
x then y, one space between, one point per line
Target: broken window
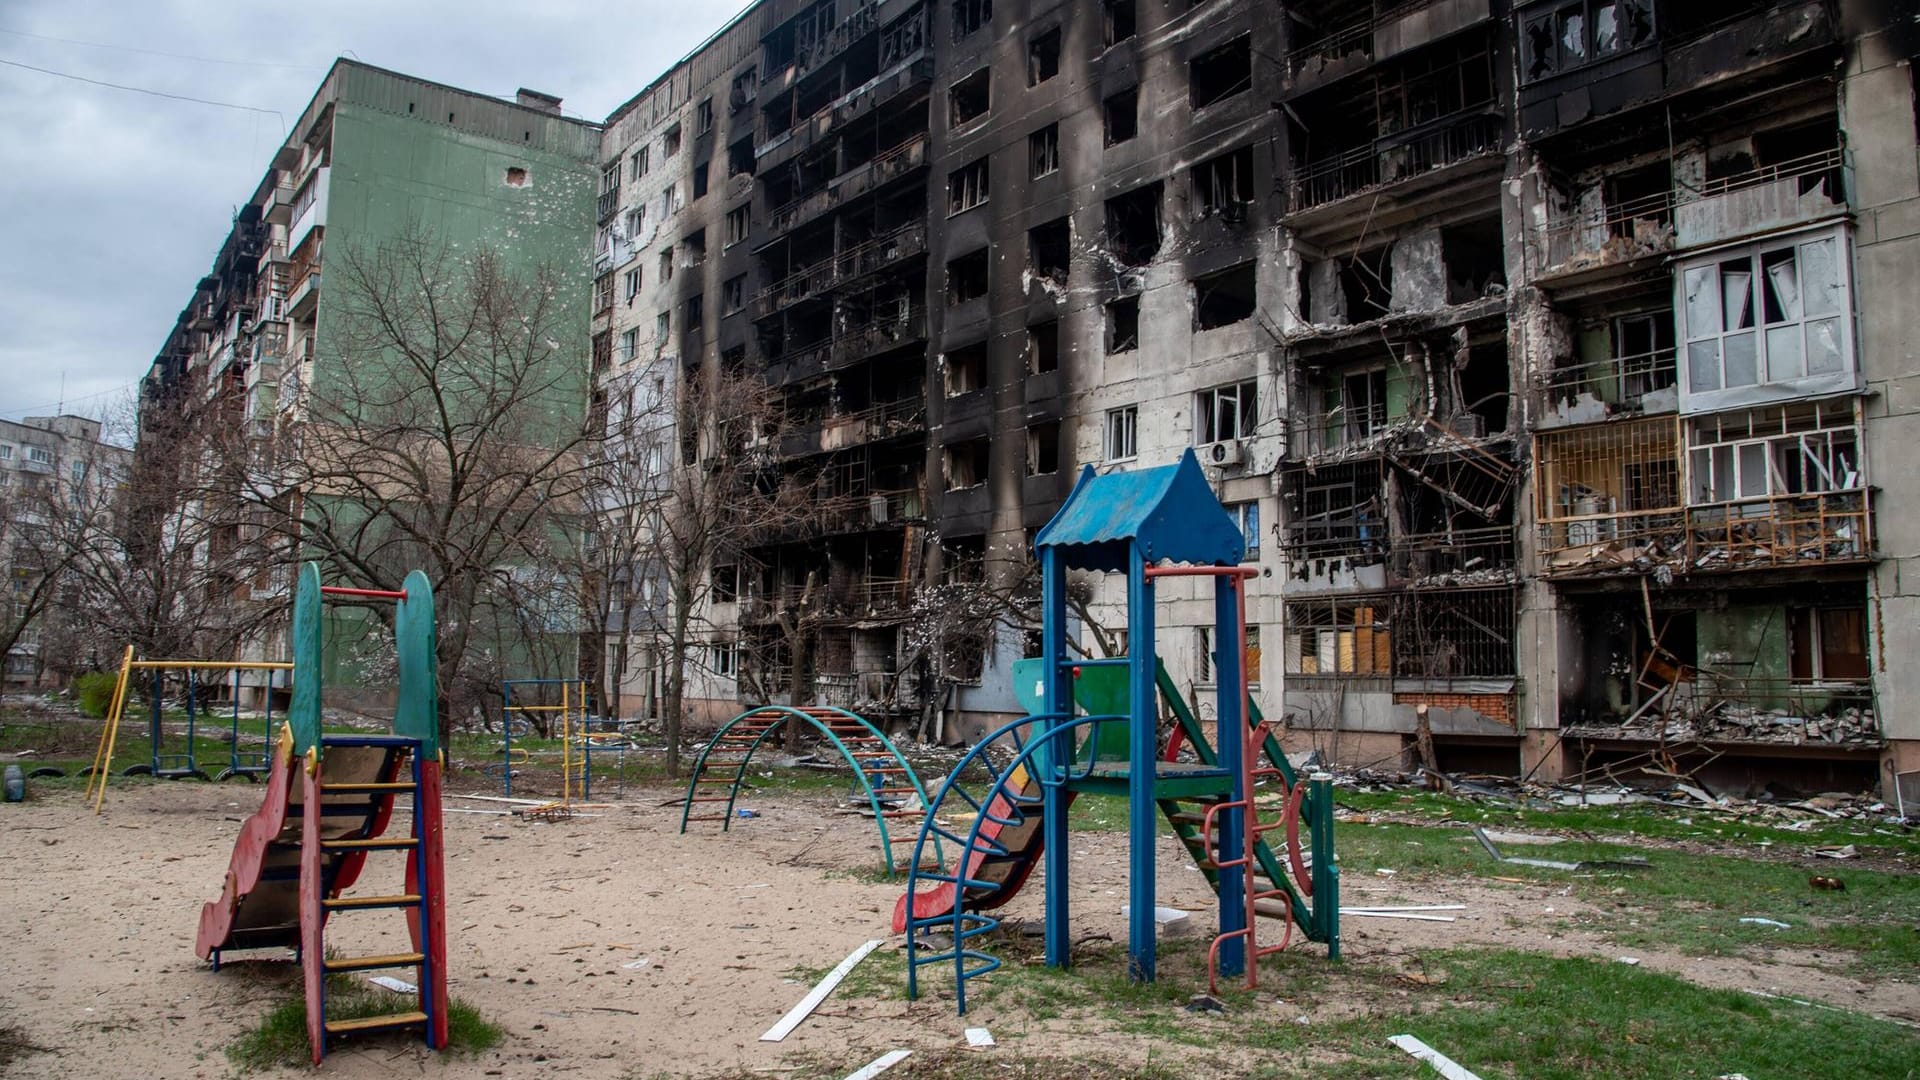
1049 250
1635 195
1226 412
740 160
1771 452
602 293
1642 353
703 116
662 326
1224 185
1361 404
967 277
1333 637
1043 57
1117 20
1474 257
629 345
638 162
700 179
966 369
969 98
1366 281
733 294
726 583
1043 151
1043 448
1123 324
1221 73
967 187
739 223
723 659
602 360
1827 643
970 15
694 244
1247 516
1133 225
636 222
670 142
1772 314
666 264
1224 297
1043 347
610 179
1563 37
1123 433
632 285
696 312
967 464
746 86
1121 115
516 176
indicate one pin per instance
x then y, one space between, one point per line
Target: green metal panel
303 713
416 712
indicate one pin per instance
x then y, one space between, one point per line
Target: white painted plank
1416 917
879 1065
1442 1064
979 1037
817 995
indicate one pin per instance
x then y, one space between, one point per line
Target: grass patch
280 1039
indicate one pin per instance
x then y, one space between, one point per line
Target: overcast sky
113 203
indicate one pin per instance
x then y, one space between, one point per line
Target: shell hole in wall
516 176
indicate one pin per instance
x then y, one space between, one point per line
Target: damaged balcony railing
855 262
1350 39
862 341
1337 429
1448 558
1715 707
870 596
1780 530
1391 160
897 161
1622 382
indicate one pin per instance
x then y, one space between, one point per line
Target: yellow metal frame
110 731
570 705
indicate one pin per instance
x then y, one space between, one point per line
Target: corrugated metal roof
1170 513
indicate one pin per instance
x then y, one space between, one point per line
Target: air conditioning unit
1223 453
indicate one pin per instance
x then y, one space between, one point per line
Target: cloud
113 204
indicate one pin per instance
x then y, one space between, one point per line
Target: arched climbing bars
867 749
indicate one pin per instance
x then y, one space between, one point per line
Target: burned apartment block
1544 350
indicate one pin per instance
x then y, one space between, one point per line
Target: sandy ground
99 913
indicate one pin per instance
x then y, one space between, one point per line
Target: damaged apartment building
1544 349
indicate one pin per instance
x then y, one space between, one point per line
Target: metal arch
972 924
790 713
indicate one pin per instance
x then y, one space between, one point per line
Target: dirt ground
98 916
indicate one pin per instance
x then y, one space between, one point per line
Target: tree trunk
677 676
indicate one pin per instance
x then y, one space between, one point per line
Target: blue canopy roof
1169 513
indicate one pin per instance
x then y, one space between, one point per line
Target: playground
1085 892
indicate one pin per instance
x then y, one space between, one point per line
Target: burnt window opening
1121 115
1358 404
1227 412
726 583
696 313
666 264
700 173
1642 194
733 362
670 142
1043 151
1049 250
970 15
1366 280
967 187
967 369
694 244
1043 57
703 116
1643 356
1043 347
733 294
1118 21
1123 324
1474 257
963 560
516 176
967 277
1808 150
740 160
1224 185
1569 36
967 464
1221 73
739 223
1223 298
1133 225
1434 84
1827 643
1483 387
746 87
1043 448
969 99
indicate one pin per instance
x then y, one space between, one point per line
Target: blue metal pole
506 739
156 721
1057 701
233 748
1230 737
1142 815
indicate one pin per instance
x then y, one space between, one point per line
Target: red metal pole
378 594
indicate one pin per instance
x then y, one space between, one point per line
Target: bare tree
445 427
49 525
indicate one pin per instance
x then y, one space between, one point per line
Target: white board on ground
818 994
979 1037
879 1065
1442 1064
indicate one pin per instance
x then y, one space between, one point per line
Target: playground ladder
1247 860
420 899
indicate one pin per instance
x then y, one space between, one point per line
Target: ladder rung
371 843
368 963
709 817
375 1023
349 903
368 788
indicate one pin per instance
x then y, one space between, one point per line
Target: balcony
1395 159
1642 384
1753 534
1388 30
608 204
854 263
306 294
915 71
815 55
1344 431
277 207
1727 710
899 161
881 335
1359 552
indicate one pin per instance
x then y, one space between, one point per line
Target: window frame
1122 425
1245 412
